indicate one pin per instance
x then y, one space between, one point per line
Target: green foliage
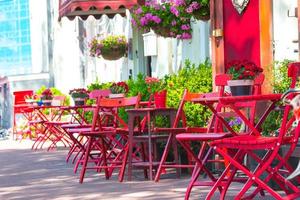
138 86
281 79
281 84
99 46
195 79
55 92
98 86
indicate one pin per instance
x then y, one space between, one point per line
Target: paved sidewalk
41 175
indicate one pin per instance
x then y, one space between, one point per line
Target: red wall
241 32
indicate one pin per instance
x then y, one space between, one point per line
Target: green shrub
55 92
98 86
280 85
195 79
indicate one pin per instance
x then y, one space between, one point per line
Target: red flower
242 69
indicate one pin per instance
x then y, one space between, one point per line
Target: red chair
101 137
215 131
21 107
221 82
248 144
80 122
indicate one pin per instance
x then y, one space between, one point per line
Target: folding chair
221 82
272 162
104 138
81 123
215 131
21 107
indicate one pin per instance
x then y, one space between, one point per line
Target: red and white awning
97 8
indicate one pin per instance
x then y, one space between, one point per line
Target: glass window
15 49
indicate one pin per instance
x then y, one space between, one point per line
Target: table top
143 110
234 99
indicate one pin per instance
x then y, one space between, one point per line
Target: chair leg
86 158
176 155
163 158
104 154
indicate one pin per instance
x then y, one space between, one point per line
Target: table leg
130 141
150 146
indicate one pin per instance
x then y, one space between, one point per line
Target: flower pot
202 14
113 96
240 87
113 54
47 102
79 101
160 99
201 17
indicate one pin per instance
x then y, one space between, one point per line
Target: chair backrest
111 106
220 81
58 100
294 73
286 123
99 93
19 96
258 81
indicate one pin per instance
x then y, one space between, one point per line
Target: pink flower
174 10
185 27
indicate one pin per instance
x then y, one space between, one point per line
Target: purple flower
148 16
189 9
156 19
143 21
156 7
174 23
185 27
98 52
133 22
238 121
138 11
174 10
195 5
231 123
186 36
178 2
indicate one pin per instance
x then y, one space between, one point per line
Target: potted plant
47 97
79 96
168 19
157 90
118 90
242 74
199 9
112 47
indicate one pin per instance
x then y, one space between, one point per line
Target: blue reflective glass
15 46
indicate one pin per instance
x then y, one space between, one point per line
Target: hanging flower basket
114 54
112 47
199 16
161 31
202 12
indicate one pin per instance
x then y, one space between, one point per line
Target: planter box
150 44
113 96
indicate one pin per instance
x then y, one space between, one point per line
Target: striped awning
97 8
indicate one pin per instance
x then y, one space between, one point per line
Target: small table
150 114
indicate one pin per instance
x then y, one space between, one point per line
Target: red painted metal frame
214 130
246 144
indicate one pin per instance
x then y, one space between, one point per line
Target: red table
235 103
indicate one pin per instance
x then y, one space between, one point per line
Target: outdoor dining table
150 114
235 104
